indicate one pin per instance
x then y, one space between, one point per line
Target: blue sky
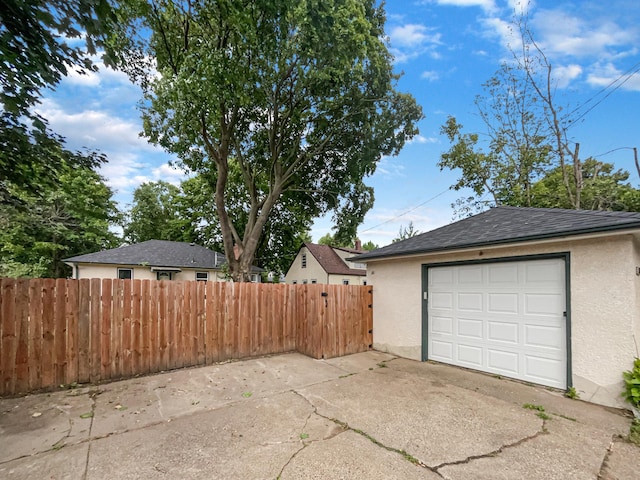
446 50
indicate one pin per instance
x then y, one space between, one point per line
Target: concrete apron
369 415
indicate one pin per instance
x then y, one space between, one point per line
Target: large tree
299 94
40 42
156 214
71 217
526 148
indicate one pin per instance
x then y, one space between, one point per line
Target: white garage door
506 318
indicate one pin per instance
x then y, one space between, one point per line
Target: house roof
158 253
331 262
504 225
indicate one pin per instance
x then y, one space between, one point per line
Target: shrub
631 391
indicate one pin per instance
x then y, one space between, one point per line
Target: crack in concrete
92 396
543 431
345 427
603 473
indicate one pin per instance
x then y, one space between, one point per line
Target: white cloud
421 139
563 75
560 33
412 40
169 174
605 75
487 5
94 129
390 167
430 75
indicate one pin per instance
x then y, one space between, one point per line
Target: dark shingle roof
503 225
331 262
158 253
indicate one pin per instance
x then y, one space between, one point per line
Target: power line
628 74
404 213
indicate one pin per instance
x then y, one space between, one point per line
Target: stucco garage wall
397 308
604 306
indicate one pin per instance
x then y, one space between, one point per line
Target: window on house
304 260
163 275
345 282
254 278
202 276
125 273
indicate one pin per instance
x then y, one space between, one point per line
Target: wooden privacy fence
55 332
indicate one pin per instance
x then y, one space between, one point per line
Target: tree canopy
298 95
524 155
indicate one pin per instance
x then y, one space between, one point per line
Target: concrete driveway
369 415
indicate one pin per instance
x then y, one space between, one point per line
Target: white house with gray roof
547 296
155 260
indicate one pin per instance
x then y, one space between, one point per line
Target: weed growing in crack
383 365
572 393
539 408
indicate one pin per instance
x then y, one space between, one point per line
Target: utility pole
635 156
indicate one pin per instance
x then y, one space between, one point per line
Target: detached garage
547 296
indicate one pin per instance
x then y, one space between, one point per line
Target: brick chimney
358 245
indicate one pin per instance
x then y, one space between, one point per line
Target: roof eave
509 241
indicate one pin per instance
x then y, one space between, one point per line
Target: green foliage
38 46
156 215
572 393
631 391
603 189
70 216
300 96
368 246
634 431
523 157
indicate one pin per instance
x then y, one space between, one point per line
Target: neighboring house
547 296
329 265
154 260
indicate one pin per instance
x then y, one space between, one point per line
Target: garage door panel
469 275
502 303
503 332
544 370
542 271
442 325
543 304
543 336
468 327
442 300
470 355
442 276
470 301
503 273
503 361
442 350
503 318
